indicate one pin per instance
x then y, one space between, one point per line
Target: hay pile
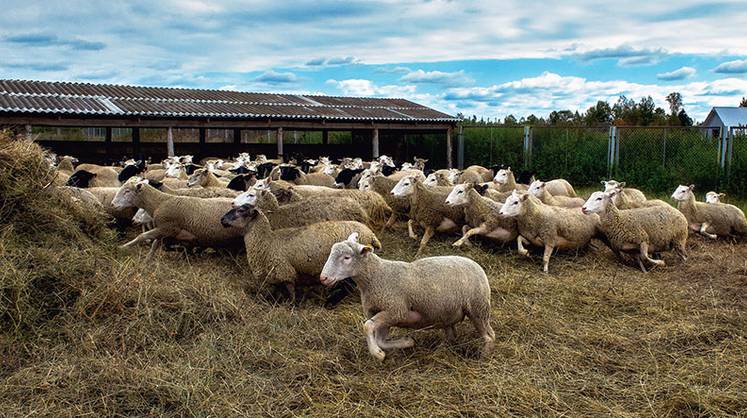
183 336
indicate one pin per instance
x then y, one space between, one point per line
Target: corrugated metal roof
120 100
729 116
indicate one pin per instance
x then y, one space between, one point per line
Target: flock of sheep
313 221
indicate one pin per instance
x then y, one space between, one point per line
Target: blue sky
485 58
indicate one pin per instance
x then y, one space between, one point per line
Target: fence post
527 146
722 147
613 148
460 147
730 140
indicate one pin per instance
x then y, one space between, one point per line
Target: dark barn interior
105 123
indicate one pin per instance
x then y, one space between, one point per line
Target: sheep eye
599 198
347 257
460 192
516 203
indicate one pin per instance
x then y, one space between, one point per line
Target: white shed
726 117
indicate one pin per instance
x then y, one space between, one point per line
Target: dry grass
187 335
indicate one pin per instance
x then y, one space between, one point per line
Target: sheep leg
450 334
411 230
704 231
679 248
390 221
546 257
644 256
465 238
291 288
384 344
371 327
520 246
152 234
482 325
155 245
429 231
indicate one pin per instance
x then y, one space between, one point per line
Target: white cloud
678 74
732 67
550 91
437 77
362 87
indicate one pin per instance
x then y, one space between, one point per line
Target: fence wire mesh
656 159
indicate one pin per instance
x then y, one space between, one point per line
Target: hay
183 336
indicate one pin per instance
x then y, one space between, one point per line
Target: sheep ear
353 237
508 168
604 182
622 185
691 187
722 195
366 249
524 197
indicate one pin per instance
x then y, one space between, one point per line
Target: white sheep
714 197
710 219
431 292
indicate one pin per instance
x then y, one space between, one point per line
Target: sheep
643 230
287 256
481 214
714 197
710 219
631 200
428 209
67 165
383 186
105 195
209 192
506 181
296 176
93 176
205 178
539 190
628 194
431 292
183 218
130 170
475 174
348 178
376 207
438 178
549 226
304 212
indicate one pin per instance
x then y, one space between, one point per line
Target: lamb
304 212
710 219
183 218
539 190
633 196
481 214
205 178
431 292
289 255
549 226
714 197
644 230
428 209
506 181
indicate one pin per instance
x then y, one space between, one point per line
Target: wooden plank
449 149
375 143
280 142
170 142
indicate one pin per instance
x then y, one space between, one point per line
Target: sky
489 58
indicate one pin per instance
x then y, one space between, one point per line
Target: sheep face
263 184
597 202
141 217
329 170
431 180
405 187
713 197
197 178
345 260
386 160
501 177
364 184
683 193
406 166
249 197
126 196
80 178
536 188
239 217
458 195
453 176
261 159
514 204
610 185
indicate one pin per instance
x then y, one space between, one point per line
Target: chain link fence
656 159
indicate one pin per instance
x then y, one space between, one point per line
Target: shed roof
44 97
726 116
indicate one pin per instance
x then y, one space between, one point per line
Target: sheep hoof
524 253
378 354
457 243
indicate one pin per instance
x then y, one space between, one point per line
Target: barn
103 123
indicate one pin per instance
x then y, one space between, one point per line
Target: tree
599 114
743 103
675 103
510 120
684 119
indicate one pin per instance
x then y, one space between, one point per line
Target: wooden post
202 141
325 137
460 147
170 142
449 149
375 143
280 143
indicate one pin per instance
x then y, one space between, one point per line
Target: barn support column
460 147
325 137
170 142
202 134
449 149
375 143
136 143
280 143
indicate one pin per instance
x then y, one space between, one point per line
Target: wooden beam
170 142
375 143
325 136
280 142
449 149
46 120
